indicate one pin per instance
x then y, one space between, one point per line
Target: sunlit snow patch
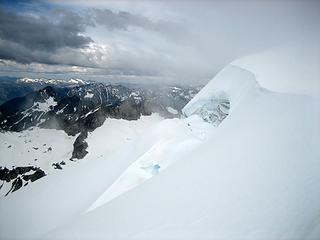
88 95
45 106
172 110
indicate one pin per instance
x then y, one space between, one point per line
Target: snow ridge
227 89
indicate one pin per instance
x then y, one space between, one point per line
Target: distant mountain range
71 81
11 87
78 107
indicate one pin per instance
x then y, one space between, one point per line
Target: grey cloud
21 54
122 20
59 37
182 40
27 38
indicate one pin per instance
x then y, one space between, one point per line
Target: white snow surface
75 81
45 106
51 81
88 95
255 176
22 148
36 147
293 68
172 110
153 152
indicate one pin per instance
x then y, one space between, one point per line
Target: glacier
215 99
251 172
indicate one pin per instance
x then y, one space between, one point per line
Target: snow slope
254 176
154 153
35 147
293 68
114 134
55 198
102 175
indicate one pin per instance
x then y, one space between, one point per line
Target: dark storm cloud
63 56
29 38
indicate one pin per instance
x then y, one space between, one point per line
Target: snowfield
250 173
36 147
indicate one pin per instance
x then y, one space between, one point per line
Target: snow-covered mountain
11 87
77 111
242 163
45 81
72 109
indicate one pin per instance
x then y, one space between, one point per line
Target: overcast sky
175 41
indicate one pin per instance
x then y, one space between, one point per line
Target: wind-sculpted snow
293 68
228 89
157 150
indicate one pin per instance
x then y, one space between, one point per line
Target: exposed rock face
80 146
23 112
73 109
20 176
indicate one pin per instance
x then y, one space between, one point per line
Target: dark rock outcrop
20 176
80 146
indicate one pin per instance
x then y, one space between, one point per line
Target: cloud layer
28 38
186 41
